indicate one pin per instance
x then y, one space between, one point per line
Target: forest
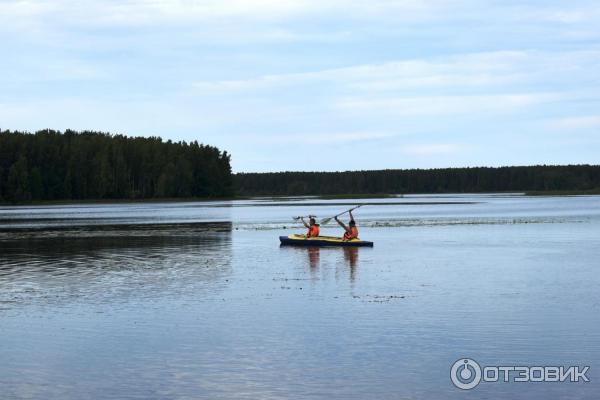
52 165
70 165
542 178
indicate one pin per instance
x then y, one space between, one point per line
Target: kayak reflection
314 257
351 258
349 255
322 261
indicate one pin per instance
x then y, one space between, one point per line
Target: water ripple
112 263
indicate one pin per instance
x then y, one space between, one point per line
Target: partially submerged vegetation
563 192
359 196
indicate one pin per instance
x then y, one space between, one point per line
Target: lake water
198 300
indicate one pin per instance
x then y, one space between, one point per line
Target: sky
314 84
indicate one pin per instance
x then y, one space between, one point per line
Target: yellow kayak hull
320 241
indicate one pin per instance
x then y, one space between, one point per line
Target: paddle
304 216
326 220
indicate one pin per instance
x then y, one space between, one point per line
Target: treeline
50 165
446 180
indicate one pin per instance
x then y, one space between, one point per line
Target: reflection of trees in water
114 263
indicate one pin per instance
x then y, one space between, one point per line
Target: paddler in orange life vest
351 229
313 227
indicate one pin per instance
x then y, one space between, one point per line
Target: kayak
302 240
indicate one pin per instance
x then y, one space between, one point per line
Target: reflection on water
351 257
314 257
346 257
111 263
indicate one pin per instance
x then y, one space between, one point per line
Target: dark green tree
18 181
36 183
448 180
51 165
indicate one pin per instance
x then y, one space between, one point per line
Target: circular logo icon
465 373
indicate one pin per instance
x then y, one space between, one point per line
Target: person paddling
313 227
351 231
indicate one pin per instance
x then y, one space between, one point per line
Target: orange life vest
313 231
353 234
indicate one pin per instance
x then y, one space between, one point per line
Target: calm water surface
198 300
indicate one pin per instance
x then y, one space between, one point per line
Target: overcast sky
314 85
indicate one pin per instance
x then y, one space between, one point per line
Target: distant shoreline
535 179
120 201
563 192
276 197
52 167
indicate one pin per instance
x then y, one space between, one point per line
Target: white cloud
135 13
472 85
312 138
470 69
431 149
573 14
158 12
444 105
463 71
575 123
275 21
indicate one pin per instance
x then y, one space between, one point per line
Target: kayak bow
320 241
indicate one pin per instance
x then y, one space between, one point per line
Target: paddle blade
325 220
